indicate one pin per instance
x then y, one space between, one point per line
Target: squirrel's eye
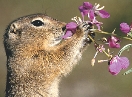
37 23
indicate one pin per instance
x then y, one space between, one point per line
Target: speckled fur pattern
37 57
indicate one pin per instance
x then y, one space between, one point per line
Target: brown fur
37 57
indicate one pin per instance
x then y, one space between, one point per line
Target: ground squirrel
37 56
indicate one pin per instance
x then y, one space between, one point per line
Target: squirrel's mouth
86 26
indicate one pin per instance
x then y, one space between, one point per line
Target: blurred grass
84 81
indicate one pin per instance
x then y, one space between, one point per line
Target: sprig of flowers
87 9
115 62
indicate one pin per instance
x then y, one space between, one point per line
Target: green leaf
128 71
130 34
126 47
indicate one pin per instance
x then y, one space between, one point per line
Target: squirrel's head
40 32
36 31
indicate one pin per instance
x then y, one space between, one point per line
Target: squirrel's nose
14 28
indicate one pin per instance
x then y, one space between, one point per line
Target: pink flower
117 64
113 42
85 9
100 48
92 11
70 29
124 27
97 23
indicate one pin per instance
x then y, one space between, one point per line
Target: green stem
92 39
102 32
109 56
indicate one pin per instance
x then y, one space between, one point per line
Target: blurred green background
85 80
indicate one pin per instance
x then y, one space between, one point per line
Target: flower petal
87 5
83 10
70 29
113 42
91 15
103 14
82 13
71 26
67 35
124 27
97 23
115 65
115 68
124 62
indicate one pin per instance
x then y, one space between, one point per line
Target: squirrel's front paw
85 27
